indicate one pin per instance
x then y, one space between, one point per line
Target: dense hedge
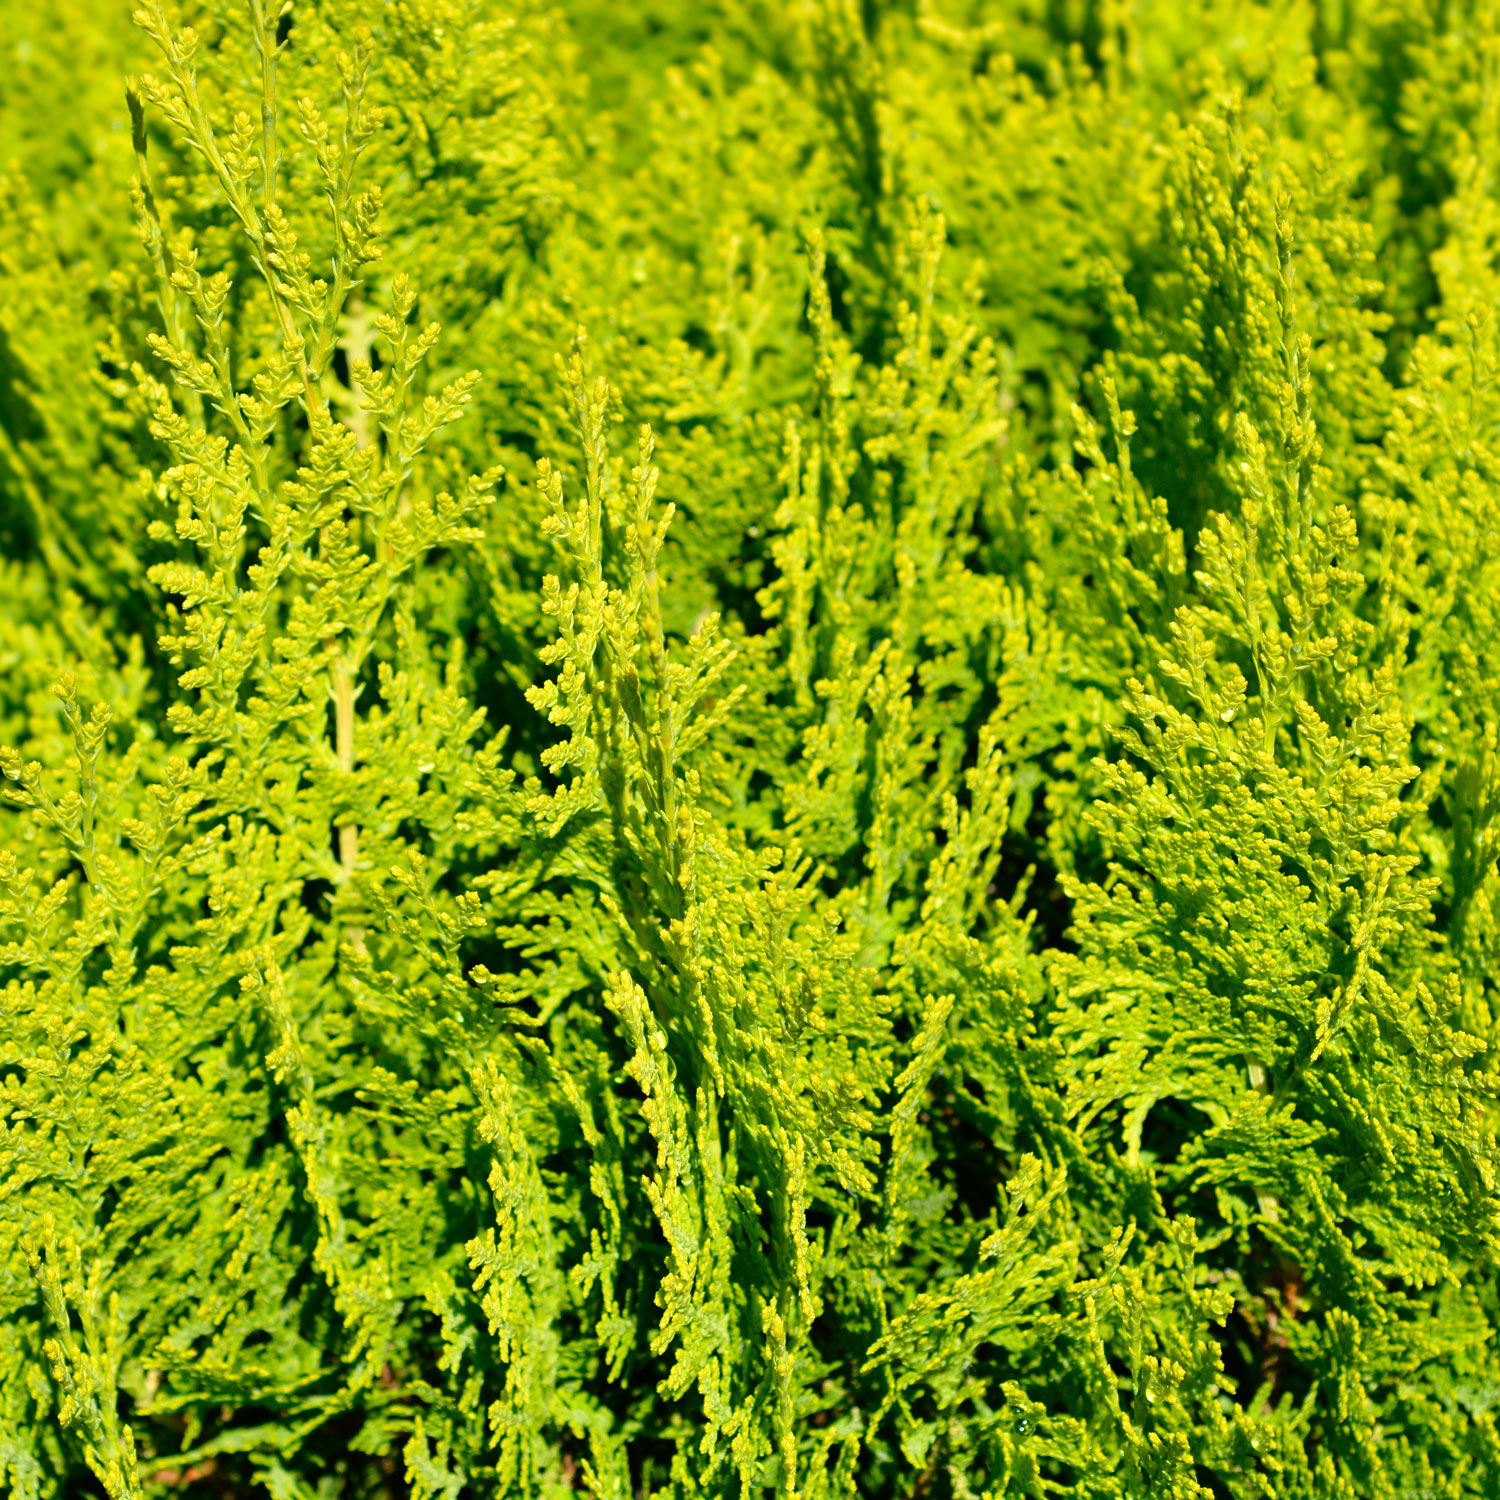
842 845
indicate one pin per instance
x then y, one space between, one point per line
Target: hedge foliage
842 845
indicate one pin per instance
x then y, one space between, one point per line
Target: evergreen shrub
842 845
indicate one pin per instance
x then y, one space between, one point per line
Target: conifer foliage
750 749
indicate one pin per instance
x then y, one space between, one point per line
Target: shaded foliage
750 749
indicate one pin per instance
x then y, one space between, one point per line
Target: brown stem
1281 1299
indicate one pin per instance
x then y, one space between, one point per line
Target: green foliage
842 844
